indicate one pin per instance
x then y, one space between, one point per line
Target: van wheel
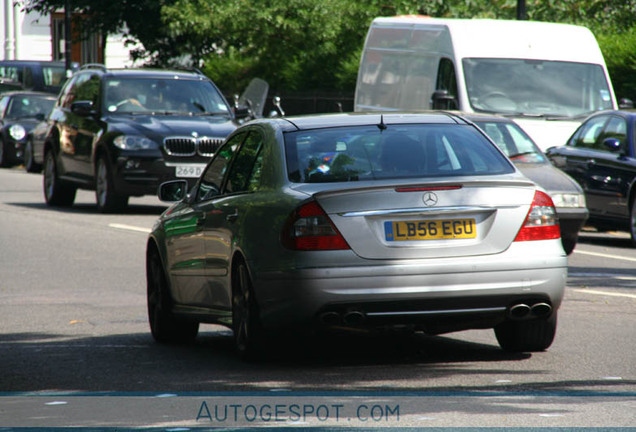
527 336
56 192
108 201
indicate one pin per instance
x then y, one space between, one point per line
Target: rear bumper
439 295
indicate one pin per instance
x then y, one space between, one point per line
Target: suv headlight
17 132
134 142
568 200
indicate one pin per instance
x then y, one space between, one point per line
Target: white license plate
190 171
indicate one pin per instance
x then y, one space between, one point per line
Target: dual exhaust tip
517 312
536 310
352 318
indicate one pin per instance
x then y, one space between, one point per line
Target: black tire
246 324
632 222
4 155
108 201
164 326
56 192
29 164
527 336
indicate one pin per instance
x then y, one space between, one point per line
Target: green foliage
619 51
316 44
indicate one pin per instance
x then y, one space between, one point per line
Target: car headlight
134 142
568 200
17 132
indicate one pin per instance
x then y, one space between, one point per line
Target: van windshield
535 87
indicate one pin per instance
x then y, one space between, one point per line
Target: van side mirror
625 103
441 99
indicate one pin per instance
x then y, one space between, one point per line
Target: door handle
232 217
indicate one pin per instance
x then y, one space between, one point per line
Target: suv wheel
29 164
4 161
108 200
56 192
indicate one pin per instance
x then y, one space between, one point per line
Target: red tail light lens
542 222
309 228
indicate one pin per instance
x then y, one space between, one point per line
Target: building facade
31 36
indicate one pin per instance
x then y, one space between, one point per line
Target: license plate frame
189 170
396 231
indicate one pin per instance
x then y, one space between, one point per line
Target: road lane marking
605 255
596 292
129 228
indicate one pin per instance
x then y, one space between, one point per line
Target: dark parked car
357 221
123 132
566 193
601 156
20 112
45 76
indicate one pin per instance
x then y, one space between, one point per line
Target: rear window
400 151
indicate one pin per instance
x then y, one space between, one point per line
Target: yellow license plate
430 229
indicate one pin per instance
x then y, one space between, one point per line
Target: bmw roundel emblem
195 134
429 198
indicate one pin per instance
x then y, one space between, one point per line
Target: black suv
122 132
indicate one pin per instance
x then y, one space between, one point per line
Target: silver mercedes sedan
350 221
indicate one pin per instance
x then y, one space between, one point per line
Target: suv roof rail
93 66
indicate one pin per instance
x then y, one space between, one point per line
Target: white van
546 76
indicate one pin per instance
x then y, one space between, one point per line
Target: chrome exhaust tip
330 318
541 309
353 318
519 311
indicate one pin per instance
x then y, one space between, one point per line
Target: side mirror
83 108
441 99
625 103
172 191
612 144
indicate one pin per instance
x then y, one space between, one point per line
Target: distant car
122 132
566 193
601 156
358 221
34 75
20 111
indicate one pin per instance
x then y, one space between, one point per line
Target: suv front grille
189 146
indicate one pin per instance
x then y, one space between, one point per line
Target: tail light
542 222
309 228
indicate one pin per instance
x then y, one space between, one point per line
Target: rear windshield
399 151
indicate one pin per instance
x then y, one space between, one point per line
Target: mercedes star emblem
429 198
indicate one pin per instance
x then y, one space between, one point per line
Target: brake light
542 222
309 228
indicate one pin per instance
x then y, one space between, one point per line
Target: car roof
369 118
148 73
630 114
31 62
27 93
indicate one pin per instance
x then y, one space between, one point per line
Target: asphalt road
75 345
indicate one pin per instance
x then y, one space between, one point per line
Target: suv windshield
400 151
157 95
535 87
